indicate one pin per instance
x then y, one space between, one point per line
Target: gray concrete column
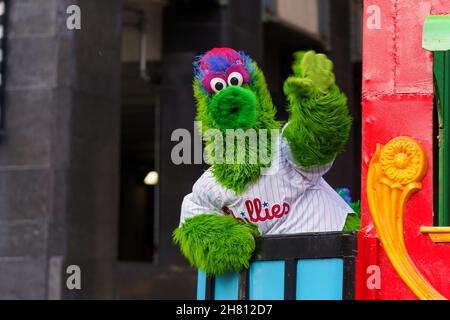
59 159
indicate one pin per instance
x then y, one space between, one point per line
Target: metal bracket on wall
141 26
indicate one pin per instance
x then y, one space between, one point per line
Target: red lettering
276 211
254 210
227 211
267 215
249 206
257 204
285 208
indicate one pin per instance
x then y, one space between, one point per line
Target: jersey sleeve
311 174
205 197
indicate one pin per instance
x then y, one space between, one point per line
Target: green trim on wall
436 33
442 92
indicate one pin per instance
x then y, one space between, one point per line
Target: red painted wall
398 100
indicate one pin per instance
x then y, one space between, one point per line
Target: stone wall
59 158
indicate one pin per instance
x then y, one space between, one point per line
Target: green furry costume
231 93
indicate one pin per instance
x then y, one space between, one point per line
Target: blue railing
314 266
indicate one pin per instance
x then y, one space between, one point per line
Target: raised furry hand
216 244
319 123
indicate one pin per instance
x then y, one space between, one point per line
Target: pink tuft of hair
229 54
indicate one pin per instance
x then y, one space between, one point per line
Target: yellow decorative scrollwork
403 161
395 173
437 234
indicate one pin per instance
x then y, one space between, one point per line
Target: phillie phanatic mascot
235 201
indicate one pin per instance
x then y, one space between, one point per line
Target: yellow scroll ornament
395 173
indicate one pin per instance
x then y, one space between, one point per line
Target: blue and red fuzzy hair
219 60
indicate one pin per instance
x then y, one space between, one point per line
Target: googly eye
218 84
235 79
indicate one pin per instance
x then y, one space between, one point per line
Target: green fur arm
353 222
319 123
216 244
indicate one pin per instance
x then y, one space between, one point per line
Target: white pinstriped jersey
288 199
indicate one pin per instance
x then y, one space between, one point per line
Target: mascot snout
234 108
